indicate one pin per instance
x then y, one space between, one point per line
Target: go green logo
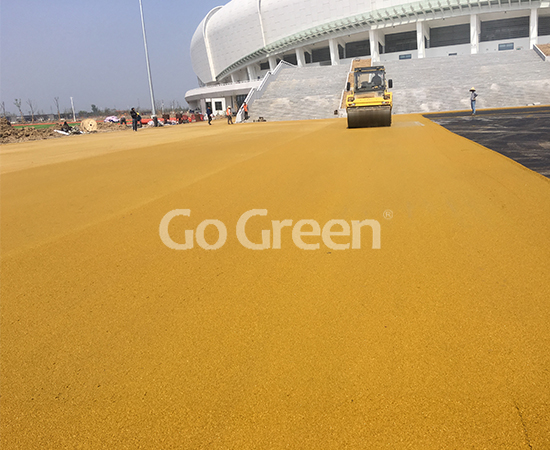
271 239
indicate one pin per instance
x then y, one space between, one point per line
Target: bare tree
56 100
3 106
159 106
31 106
17 103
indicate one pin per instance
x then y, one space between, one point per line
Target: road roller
369 103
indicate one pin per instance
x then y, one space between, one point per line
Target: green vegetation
43 125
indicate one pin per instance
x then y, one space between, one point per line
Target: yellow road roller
369 103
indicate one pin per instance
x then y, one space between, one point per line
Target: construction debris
9 134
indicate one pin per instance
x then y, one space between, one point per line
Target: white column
475 29
251 70
334 56
301 57
272 63
202 102
533 27
421 33
382 40
373 40
233 78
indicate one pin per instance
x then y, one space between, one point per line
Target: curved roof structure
242 28
244 32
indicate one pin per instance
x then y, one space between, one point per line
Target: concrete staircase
302 94
507 78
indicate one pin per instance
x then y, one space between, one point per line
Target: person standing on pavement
245 108
229 115
135 116
209 115
473 96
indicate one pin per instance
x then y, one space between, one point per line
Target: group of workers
228 114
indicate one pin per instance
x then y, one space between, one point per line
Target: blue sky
93 51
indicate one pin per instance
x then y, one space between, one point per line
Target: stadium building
237 44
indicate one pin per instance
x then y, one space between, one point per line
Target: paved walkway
439 339
522 134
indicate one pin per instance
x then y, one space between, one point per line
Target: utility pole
72 106
154 115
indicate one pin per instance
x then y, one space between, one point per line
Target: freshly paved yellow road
437 340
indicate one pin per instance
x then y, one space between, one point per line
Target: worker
209 115
473 96
376 80
229 115
245 109
135 117
65 127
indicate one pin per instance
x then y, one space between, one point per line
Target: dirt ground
10 134
110 339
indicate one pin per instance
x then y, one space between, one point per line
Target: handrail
222 84
249 98
345 85
256 92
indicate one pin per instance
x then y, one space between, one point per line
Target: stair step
502 79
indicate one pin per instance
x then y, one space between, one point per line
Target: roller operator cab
369 103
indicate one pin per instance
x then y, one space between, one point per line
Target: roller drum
369 116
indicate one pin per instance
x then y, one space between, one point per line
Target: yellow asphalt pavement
437 340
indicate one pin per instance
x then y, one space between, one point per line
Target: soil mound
110 126
9 134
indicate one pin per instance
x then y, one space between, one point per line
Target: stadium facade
237 44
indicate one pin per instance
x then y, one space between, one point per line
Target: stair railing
345 85
256 93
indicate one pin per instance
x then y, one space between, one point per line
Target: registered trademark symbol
388 214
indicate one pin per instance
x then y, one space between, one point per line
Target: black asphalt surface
522 134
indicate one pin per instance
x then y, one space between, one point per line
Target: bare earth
437 340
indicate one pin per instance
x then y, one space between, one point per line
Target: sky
93 51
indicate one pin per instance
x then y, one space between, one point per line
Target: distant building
237 44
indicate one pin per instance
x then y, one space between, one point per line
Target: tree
56 100
17 103
95 110
31 106
3 106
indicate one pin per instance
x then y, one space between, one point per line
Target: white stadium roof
247 31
